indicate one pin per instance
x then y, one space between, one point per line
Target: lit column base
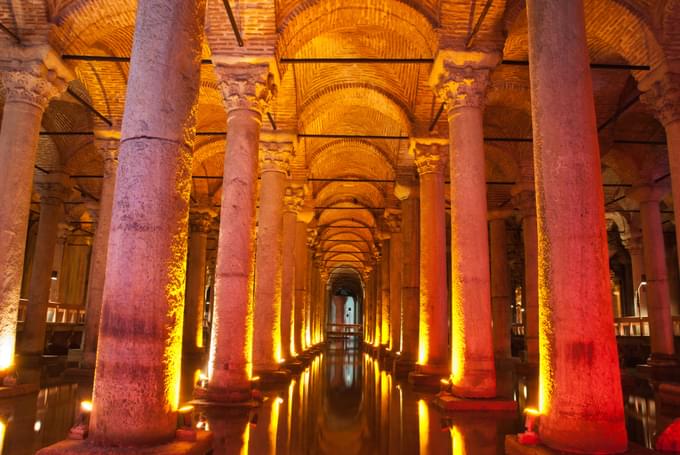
239 396
426 379
272 377
17 390
513 447
202 444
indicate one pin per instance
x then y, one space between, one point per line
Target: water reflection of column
231 430
385 412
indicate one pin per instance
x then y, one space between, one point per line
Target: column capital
248 86
275 155
662 96
107 145
33 75
499 214
460 78
430 154
201 220
312 234
63 231
633 243
54 188
524 198
647 193
392 219
293 199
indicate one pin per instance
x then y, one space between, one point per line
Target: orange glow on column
423 427
457 341
7 342
545 337
246 441
423 338
457 442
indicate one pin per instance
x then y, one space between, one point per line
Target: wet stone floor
342 403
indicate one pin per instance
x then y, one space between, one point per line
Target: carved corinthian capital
107 144
663 97
32 75
276 156
293 199
430 155
247 86
460 78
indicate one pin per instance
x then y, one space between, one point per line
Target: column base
78 374
513 447
660 372
526 368
294 365
201 446
663 360
425 379
402 367
219 396
448 402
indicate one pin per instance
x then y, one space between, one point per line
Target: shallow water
342 403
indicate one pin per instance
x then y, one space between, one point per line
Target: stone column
107 144
501 292
200 222
433 340
301 266
385 312
525 200
460 79
137 375
377 297
63 231
247 90
634 246
274 165
292 202
410 276
27 90
393 221
662 94
54 189
654 254
579 412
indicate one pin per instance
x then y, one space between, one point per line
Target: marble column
662 94
137 374
410 275
658 293
524 199
106 143
54 188
292 203
27 90
63 231
633 245
385 298
501 292
200 223
247 90
301 266
377 297
579 412
460 79
275 159
393 222
433 340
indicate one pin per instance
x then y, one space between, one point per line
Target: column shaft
288 321
501 294
410 291
199 227
137 375
385 312
658 303
26 97
579 412
433 352
530 291
300 285
100 247
51 212
395 291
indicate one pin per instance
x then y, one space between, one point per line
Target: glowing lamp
86 407
279 400
37 426
529 437
254 379
54 276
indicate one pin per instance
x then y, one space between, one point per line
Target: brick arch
359 157
366 193
331 100
615 22
360 215
313 18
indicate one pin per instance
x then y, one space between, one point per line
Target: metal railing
344 330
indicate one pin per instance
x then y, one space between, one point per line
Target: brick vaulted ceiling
359 98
